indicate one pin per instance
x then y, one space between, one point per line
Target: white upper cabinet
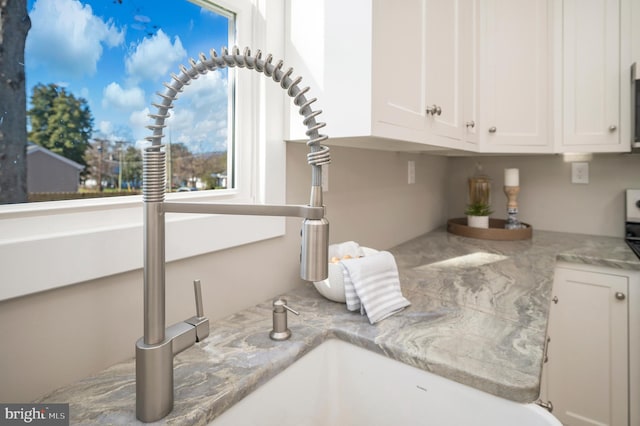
333 46
378 67
333 55
515 105
430 95
399 68
592 66
494 76
451 52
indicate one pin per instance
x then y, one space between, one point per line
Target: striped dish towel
372 285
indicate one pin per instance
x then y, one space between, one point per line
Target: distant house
220 179
50 172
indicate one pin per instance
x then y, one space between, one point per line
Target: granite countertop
478 316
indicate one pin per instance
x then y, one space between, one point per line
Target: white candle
511 177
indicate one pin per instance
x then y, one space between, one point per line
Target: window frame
48 245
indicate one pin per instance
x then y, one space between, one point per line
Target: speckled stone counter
478 316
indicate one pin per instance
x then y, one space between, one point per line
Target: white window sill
49 245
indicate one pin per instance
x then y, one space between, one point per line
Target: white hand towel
372 285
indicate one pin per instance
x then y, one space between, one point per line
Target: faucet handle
280 304
200 322
197 289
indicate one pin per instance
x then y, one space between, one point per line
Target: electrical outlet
579 172
411 172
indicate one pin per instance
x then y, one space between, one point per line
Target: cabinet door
451 68
469 25
591 75
514 76
587 372
399 68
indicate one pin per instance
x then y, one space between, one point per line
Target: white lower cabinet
591 373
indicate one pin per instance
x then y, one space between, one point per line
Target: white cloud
138 121
68 38
112 132
199 119
155 57
85 93
124 99
142 18
105 127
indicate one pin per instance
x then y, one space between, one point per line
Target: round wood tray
495 231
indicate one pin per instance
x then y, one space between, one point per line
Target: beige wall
60 336
548 200
369 200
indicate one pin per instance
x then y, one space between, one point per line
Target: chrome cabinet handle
620 295
434 110
613 128
471 124
546 350
492 129
555 299
546 405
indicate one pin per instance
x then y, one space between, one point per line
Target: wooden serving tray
495 231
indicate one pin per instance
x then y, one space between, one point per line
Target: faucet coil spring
153 176
319 154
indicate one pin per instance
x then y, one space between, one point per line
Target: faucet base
281 335
154 380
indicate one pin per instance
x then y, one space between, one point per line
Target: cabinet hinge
547 405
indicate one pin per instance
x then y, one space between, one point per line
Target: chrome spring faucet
155 350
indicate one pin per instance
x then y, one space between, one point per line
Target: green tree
181 168
132 166
97 158
214 163
60 122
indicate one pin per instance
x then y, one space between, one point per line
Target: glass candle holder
479 190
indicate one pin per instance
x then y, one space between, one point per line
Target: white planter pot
478 221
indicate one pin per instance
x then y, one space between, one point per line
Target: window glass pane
92 70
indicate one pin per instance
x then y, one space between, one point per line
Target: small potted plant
478 215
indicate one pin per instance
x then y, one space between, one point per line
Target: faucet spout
155 350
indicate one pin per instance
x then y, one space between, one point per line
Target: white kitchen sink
338 383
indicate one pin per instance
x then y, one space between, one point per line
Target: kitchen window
92 72
45 245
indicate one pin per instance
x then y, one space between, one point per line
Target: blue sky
116 56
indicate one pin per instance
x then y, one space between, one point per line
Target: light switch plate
579 172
